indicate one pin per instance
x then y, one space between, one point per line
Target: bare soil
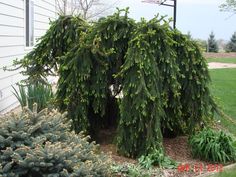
220 55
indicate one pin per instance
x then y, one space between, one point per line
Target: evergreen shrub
41 144
231 45
212 43
160 73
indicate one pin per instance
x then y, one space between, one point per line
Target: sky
199 17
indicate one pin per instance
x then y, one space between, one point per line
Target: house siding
12 41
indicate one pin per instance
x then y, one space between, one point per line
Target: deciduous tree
86 8
229 6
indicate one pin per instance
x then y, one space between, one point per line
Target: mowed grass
222 60
226 173
223 87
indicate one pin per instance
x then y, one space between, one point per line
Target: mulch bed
220 55
176 148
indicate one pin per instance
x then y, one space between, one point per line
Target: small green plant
212 146
41 144
134 170
34 93
157 157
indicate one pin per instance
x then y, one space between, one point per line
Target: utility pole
175 13
169 3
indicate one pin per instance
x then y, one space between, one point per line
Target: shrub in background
212 44
40 144
212 146
38 93
202 44
231 45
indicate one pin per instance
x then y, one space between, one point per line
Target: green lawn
222 60
224 89
226 173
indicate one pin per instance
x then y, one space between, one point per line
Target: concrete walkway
218 65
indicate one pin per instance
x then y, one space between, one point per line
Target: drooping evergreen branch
161 74
44 59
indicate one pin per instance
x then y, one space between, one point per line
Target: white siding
12 41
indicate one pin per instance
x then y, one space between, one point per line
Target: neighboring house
21 23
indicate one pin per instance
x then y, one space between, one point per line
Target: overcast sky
200 17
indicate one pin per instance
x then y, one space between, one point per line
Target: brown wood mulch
176 148
220 55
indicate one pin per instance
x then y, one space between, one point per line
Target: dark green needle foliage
195 97
59 39
161 74
147 88
88 70
231 45
212 43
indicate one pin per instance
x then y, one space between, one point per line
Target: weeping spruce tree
161 74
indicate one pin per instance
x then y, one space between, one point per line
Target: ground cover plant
133 170
157 158
160 73
41 144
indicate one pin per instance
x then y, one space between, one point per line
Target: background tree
202 44
229 6
212 44
189 35
231 45
88 9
